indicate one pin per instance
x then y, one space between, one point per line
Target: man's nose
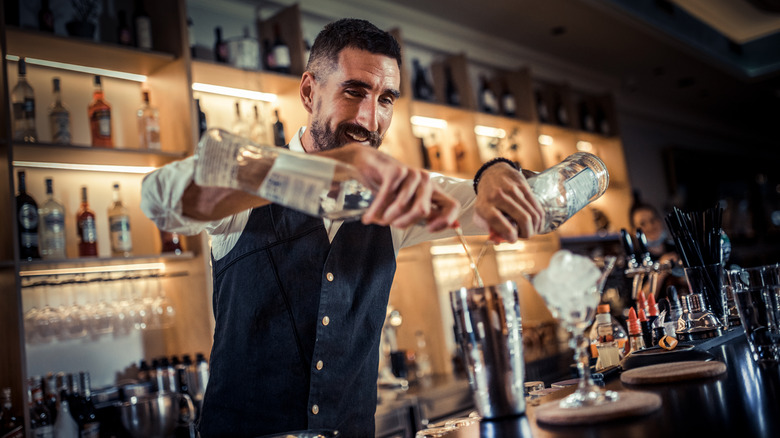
367 115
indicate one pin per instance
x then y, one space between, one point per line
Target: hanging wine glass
571 287
164 312
48 321
33 295
75 319
122 320
101 321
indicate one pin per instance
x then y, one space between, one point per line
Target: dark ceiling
654 48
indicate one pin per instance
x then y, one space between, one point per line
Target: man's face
354 101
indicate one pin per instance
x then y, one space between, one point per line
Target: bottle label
298 182
580 189
43 432
87 230
509 104
102 118
28 216
121 240
24 110
282 56
54 222
60 127
143 32
489 102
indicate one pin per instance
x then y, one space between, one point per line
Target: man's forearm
213 203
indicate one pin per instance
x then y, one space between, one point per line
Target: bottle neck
22 183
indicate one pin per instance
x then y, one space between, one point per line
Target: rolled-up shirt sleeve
161 194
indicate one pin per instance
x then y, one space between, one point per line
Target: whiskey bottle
453 97
59 117
422 89
143 26
23 102
240 126
45 17
52 230
278 128
85 225
40 417
488 102
220 46
124 34
508 104
119 226
100 117
27 219
281 52
148 125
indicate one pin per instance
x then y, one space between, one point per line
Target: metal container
488 327
153 415
696 322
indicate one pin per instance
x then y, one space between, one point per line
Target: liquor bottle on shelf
244 51
82 408
50 397
59 117
100 117
40 417
220 46
202 125
142 23
23 102
269 63
561 113
119 225
171 242
191 37
52 229
567 187
85 225
240 126
259 130
281 52
422 89
45 17
586 118
602 121
27 217
11 424
508 104
148 125
66 426
124 34
487 98
541 107
279 138
451 90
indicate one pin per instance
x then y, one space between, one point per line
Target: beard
326 139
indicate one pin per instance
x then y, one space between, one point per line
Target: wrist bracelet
487 164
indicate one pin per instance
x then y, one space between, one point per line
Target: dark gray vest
272 292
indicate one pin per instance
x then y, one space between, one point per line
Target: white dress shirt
162 192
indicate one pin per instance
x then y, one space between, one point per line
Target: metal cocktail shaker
488 327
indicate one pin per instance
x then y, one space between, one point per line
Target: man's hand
506 205
403 196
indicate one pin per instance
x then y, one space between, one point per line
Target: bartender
299 301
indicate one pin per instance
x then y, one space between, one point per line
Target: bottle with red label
87 231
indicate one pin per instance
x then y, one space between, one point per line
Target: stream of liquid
473 264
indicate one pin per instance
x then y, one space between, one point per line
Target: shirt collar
295 142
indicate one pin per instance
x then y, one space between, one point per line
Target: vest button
315 409
325 320
329 276
319 364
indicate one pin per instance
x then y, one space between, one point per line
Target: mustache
373 137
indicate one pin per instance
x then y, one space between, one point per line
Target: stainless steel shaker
488 327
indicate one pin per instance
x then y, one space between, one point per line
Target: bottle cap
640 300
642 316
633 323
652 306
602 308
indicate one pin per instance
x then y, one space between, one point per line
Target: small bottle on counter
647 328
607 338
635 340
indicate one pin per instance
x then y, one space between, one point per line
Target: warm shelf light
80 68
234 92
87 167
488 131
517 246
447 250
584 146
545 140
94 269
429 122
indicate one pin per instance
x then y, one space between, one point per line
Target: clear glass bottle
148 125
240 126
119 226
59 117
567 187
281 52
23 103
66 426
99 112
87 230
311 184
258 133
606 334
27 220
52 228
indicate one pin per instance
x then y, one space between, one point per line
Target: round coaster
629 404
673 372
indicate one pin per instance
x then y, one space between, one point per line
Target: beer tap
653 269
633 268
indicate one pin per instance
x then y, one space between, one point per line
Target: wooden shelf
72 266
213 73
75 154
33 44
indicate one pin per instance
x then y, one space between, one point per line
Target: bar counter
744 402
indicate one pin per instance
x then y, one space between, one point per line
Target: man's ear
307 91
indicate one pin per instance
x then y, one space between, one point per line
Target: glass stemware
574 305
164 313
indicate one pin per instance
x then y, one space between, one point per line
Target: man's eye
354 93
386 100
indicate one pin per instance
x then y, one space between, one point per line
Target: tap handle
642 252
628 248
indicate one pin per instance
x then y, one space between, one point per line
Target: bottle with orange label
606 330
